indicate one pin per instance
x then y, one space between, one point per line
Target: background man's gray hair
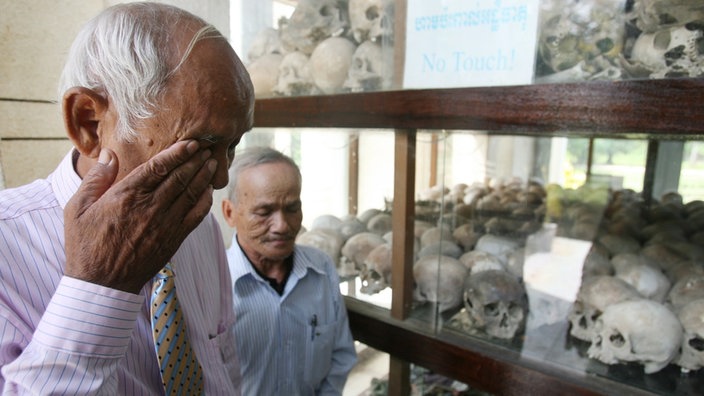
127 53
254 156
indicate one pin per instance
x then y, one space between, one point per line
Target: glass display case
527 238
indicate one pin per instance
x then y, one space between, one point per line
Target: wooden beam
601 108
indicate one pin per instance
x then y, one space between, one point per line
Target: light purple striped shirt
60 335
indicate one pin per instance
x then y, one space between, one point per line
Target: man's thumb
96 182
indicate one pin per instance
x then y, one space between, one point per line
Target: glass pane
567 253
308 47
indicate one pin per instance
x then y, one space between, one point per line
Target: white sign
464 43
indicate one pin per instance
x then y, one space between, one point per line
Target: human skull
421 226
312 22
356 249
477 261
438 279
642 331
267 41
263 72
380 223
672 52
371 68
597 262
435 234
330 62
326 221
617 244
445 248
371 19
351 226
376 274
652 15
685 269
650 281
365 216
294 77
692 319
466 236
685 291
496 301
661 255
499 246
324 239
594 296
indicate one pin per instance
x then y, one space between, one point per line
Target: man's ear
228 212
83 111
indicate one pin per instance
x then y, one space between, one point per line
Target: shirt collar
65 180
301 263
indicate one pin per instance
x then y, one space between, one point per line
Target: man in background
292 329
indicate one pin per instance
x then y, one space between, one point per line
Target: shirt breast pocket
221 357
319 348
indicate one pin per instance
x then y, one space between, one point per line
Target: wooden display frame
652 109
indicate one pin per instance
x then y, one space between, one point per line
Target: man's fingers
95 183
195 201
152 173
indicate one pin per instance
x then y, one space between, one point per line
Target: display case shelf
671 107
653 109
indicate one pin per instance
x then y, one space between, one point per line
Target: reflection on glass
511 246
619 40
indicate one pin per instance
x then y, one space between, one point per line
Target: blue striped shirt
60 335
297 343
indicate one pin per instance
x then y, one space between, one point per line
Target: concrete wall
34 39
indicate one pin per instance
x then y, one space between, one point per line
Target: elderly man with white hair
112 270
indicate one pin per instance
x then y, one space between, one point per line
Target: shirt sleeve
78 343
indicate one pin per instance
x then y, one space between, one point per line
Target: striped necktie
180 371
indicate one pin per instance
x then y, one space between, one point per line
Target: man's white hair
127 53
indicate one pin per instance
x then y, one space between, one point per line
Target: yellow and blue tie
180 371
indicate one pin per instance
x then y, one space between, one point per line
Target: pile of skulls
470 257
325 47
360 245
613 40
646 264
642 295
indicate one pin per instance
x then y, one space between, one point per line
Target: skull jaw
368 84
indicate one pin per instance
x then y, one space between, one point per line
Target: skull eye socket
674 54
578 308
325 11
372 13
515 311
605 45
491 309
667 19
617 340
697 343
